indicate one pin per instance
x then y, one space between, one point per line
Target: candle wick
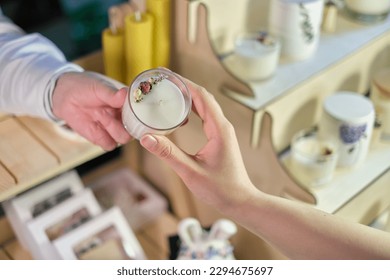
138 16
113 13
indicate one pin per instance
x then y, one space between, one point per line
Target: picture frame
30 204
138 200
59 220
98 233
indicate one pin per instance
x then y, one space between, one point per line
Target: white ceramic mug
348 120
297 23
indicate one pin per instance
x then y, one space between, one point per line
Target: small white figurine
199 244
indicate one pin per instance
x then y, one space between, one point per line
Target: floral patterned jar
348 119
297 23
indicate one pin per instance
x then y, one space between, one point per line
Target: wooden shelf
350 183
349 39
33 150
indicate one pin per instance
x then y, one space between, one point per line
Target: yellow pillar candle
161 11
113 54
138 44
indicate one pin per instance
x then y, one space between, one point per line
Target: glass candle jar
157 102
257 55
313 161
368 11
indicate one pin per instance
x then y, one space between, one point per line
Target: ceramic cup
348 120
367 11
297 23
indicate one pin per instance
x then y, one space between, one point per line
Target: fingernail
148 141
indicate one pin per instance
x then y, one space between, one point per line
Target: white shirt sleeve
30 65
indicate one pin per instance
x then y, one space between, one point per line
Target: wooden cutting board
6 179
21 153
65 144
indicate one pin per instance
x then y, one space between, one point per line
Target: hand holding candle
158 102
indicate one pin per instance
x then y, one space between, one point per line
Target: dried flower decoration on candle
265 39
145 87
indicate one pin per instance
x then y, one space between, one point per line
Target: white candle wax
256 59
313 162
160 111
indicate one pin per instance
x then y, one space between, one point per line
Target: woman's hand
216 173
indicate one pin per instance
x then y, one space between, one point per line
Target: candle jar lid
158 102
349 107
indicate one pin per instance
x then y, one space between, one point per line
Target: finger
111 97
208 109
110 120
166 150
95 133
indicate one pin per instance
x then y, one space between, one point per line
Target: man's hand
91 108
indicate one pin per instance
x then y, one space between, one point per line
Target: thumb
166 150
113 97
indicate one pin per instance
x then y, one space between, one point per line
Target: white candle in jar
257 56
159 111
369 7
313 161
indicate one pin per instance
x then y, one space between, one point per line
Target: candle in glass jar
368 11
313 161
158 102
257 55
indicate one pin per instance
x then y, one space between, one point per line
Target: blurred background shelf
359 194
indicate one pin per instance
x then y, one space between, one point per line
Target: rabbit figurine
199 244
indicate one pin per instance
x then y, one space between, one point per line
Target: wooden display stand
259 141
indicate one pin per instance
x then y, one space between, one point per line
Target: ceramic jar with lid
348 120
297 24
